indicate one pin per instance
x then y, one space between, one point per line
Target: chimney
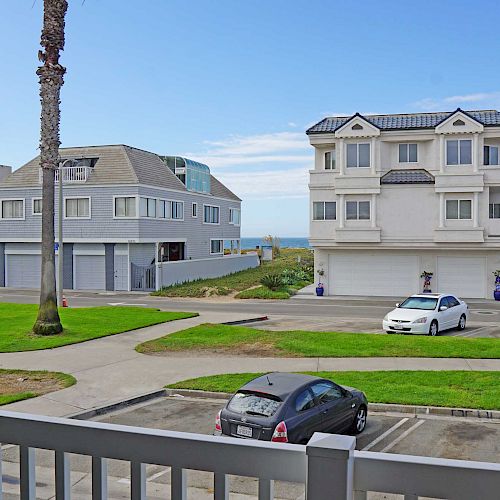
4 172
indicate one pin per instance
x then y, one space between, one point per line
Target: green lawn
239 339
263 292
80 324
242 280
456 389
16 385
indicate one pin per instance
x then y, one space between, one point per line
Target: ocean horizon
290 242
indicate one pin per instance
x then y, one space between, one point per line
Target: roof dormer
459 122
357 126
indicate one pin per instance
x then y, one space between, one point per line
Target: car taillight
280 434
218 427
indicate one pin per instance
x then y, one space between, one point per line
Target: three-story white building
393 196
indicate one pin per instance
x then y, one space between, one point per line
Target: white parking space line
402 436
396 426
471 333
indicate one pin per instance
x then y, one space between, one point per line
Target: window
452 301
172 210
494 210
77 208
491 155
324 210
194 210
216 246
125 206
408 153
358 155
254 404
37 206
211 214
357 210
458 209
330 160
234 216
12 209
325 392
459 152
147 207
420 303
304 401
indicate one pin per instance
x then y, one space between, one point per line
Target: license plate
397 327
241 430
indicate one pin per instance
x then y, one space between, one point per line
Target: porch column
373 156
475 210
2 264
109 265
373 210
441 210
442 153
475 152
340 156
340 211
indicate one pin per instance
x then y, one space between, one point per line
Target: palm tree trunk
51 80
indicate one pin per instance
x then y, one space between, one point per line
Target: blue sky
235 84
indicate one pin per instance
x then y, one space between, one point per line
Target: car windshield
254 404
425 303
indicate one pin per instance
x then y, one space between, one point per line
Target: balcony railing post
330 467
63 480
178 484
1 480
99 478
27 473
221 486
138 481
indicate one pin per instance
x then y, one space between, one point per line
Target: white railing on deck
328 465
71 174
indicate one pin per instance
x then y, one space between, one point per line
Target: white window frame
77 198
194 210
407 144
231 216
182 204
460 200
12 218
459 164
324 219
498 155
357 144
125 217
147 198
491 210
36 214
211 223
222 246
357 209
333 156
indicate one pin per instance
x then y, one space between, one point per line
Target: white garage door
89 272
373 274
462 276
23 271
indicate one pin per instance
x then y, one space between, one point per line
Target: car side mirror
397 304
443 308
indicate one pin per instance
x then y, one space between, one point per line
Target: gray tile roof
405 121
419 176
116 164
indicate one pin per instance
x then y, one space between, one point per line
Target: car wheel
461 322
359 422
434 329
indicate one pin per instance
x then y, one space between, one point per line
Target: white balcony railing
71 174
328 465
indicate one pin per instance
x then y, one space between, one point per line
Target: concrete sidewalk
109 369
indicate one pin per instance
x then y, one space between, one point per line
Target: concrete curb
245 321
374 407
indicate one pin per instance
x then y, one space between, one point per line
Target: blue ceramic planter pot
496 294
320 290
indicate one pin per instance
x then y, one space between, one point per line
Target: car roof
283 384
433 295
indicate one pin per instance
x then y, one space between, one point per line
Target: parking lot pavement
450 437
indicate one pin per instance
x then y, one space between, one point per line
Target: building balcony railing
328 464
71 174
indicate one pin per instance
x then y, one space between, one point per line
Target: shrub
272 281
263 293
294 275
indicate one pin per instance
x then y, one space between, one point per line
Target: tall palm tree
51 80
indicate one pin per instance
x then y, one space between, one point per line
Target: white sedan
427 314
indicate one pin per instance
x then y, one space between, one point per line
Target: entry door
121 272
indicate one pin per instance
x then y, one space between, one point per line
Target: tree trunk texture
51 80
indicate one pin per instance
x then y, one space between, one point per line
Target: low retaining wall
170 273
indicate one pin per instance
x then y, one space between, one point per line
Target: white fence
328 465
71 174
181 271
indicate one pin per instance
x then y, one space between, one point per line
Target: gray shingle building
124 211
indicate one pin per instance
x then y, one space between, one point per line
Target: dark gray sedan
290 408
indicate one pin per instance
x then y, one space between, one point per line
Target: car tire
434 329
462 322
359 423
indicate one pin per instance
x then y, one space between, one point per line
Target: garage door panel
23 271
373 275
462 276
89 272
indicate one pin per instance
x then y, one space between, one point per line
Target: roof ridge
413 114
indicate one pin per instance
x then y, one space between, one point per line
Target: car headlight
386 317
421 320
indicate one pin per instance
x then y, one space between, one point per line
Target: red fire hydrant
64 302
